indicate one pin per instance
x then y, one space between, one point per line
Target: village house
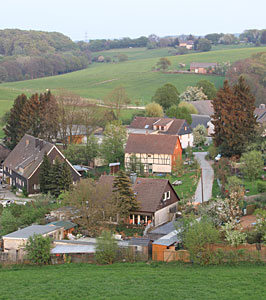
15 241
188 45
171 126
202 68
21 168
158 201
157 153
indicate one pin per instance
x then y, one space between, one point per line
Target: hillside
134 281
140 82
29 54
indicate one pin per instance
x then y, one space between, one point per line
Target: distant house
157 199
22 166
260 113
188 44
202 68
204 107
204 120
78 134
171 126
157 153
17 240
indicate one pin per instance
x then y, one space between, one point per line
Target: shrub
212 152
106 248
234 237
261 186
154 110
197 239
190 107
38 249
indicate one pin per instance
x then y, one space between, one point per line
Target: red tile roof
149 191
151 143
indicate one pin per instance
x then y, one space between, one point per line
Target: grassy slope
136 76
134 281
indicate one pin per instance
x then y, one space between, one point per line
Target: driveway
207 175
6 194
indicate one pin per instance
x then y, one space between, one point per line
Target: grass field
134 281
135 75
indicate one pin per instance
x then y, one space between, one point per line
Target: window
168 195
164 196
149 155
185 128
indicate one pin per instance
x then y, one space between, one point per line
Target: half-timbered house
157 153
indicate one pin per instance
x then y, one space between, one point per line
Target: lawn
136 76
133 281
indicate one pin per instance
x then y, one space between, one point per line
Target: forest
33 54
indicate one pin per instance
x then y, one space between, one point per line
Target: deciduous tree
154 110
166 96
112 147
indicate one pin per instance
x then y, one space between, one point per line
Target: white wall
185 140
162 216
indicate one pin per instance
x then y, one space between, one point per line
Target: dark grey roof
139 242
168 240
164 229
199 120
27 155
204 107
26 232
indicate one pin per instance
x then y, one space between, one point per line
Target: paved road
208 176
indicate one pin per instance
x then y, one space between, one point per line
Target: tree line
33 54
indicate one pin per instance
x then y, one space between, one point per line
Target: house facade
167 126
158 201
156 153
21 168
202 68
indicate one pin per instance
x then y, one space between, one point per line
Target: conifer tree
55 174
126 200
12 129
233 118
65 178
45 178
30 117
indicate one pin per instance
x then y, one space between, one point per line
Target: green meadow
133 281
135 75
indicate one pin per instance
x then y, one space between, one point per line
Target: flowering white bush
234 237
193 93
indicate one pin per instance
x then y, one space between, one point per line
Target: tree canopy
208 88
166 96
233 118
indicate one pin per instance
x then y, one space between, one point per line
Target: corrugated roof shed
26 232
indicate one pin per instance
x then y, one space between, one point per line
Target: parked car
7 203
218 157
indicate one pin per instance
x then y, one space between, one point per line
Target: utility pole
202 195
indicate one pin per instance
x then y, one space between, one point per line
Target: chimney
37 142
262 106
41 144
133 177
